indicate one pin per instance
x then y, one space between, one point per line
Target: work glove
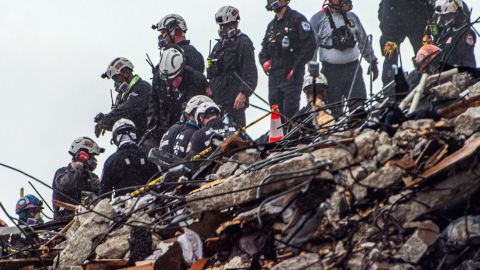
240 101
290 75
100 128
373 68
426 40
389 49
267 66
99 117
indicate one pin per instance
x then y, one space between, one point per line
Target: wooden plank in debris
14 264
67 206
460 155
141 266
105 264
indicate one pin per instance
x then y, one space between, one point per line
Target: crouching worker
128 167
208 116
71 181
29 210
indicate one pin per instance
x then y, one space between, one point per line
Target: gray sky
53 52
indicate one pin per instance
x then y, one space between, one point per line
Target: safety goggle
276 5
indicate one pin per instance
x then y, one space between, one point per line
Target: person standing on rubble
178 84
341 39
456 40
208 117
400 19
231 66
173 29
175 140
128 166
132 99
289 43
71 181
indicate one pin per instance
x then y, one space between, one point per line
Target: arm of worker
362 37
247 67
307 45
264 54
108 179
71 180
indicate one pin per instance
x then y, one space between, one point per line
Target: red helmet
426 55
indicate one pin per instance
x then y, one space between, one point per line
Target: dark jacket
183 138
193 57
168 140
301 46
127 167
231 56
458 46
132 105
201 139
166 104
71 182
404 14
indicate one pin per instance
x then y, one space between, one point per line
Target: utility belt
342 37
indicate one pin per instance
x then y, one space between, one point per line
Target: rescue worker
69 182
172 30
178 84
29 210
341 39
400 19
289 43
458 42
208 117
427 60
132 98
128 166
232 70
175 140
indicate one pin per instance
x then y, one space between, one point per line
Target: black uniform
168 140
295 33
133 105
193 57
458 46
71 182
166 104
400 19
230 56
201 139
183 138
127 167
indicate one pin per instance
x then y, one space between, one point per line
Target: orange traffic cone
276 130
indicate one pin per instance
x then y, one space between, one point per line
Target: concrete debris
468 122
420 242
353 197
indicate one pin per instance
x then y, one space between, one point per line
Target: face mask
120 88
92 164
177 82
162 43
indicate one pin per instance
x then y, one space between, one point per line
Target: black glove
373 68
100 129
99 117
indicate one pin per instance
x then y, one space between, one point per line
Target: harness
342 37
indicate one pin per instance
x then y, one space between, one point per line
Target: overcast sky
53 52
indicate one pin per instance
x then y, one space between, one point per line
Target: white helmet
116 66
170 21
227 14
123 125
308 80
196 101
172 61
86 144
207 107
443 7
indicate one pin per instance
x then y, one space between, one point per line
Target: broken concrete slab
474 90
468 122
420 243
448 90
365 143
80 245
306 261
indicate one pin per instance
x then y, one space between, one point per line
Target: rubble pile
353 199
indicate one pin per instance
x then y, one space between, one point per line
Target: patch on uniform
134 94
306 26
469 40
449 40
